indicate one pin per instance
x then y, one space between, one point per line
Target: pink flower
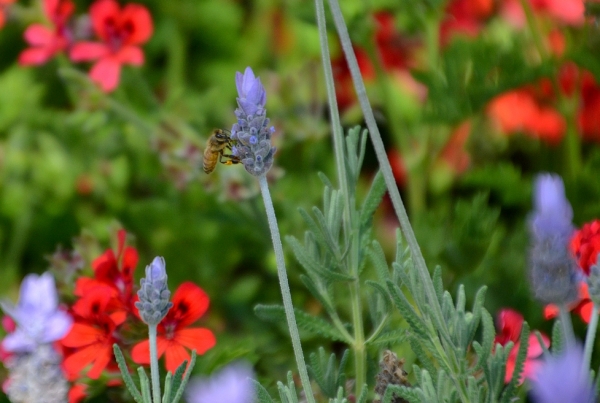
121 31
46 41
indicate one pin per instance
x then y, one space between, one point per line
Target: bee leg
232 159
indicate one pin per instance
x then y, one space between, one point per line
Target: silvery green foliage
36 377
453 365
326 372
174 383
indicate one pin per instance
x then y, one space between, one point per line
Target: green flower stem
154 364
285 289
351 233
567 326
590 338
385 167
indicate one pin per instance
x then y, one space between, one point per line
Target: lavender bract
232 385
553 271
37 315
562 379
154 293
251 133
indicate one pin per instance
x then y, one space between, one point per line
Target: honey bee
217 143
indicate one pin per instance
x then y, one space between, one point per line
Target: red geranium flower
121 32
45 41
510 323
92 334
190 302
585 245
113 270
3 6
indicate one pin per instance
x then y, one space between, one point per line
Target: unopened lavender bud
154 293
253 145
553 271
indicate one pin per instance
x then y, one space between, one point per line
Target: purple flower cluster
552 270
233 384
562 379
251 134
37 315
154 293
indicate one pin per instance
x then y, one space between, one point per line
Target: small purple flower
553 271
251 136
562 379
232 385
154 293
38 318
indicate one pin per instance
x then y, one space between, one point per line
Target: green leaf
321 295
438 284
177 380
372 200
385 297
307 322
166 398
185 378
412 395
391 337
311 265
261 393
144 385
133 390
325 372
378 258
558 344
408 313
519 365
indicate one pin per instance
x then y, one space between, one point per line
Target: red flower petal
198 339
103 358
140 353
190 302
2 19
104 14
137 22
34 56
77 361
82 52
38 35
106 73
131 55
510 323
77 393
82 335
174 356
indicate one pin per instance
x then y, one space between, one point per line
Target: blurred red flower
3 6
121 32
46 41
77 393
582 307
569 12
585 245
190 302
510 323
393 49
92 335
519 111
465 17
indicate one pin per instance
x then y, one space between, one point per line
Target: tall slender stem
567 326
154 365
590 338
384 164
285 289
350 232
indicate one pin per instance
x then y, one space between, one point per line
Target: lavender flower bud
37 377
552 269
154 293
251 133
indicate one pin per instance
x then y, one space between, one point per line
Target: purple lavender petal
232 385
561 379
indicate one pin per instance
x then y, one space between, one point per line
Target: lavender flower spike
231 385
38 318
562 379
251 134
154 293
553 272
